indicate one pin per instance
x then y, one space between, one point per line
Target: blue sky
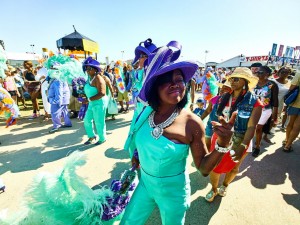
226 28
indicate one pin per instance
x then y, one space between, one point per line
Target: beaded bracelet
222 149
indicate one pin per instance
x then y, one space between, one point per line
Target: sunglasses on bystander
234 79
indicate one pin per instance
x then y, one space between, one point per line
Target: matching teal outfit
138 81
164 180
95 113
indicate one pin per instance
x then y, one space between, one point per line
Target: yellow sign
90 46
77 52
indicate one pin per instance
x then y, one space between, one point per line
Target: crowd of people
242 105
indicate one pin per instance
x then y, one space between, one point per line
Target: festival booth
272 61
230 63
78 44
211 64
243 61
247 61
16 59
200 64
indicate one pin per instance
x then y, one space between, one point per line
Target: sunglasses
88 68
143 56
234 79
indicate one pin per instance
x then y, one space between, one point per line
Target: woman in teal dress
161 138
95 91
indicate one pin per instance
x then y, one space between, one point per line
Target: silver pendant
157 132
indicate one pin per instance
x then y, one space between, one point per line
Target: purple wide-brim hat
147 49
92 63
163 60
188 69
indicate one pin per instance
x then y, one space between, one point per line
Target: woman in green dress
95 90
162 136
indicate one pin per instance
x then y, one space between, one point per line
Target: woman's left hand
224 129
135 162
85 101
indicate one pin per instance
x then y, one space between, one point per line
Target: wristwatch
222 149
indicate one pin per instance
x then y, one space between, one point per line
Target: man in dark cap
255 67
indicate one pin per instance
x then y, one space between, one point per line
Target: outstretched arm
204 161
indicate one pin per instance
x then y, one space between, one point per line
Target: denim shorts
208 130
293 111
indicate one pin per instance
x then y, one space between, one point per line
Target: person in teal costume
138 80
109 93
142 51
160 138
95 91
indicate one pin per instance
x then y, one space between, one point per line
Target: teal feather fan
62 199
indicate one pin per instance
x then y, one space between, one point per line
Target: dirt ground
266 191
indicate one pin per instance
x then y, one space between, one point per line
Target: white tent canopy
233 62
200 64
22 56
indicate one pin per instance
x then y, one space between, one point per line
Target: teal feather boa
62 198
64 68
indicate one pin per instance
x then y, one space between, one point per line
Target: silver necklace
159 128
91 81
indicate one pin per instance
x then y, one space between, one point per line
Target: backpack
291 96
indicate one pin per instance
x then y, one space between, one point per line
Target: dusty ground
265 192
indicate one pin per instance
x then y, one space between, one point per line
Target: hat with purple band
145 47
92 63
163 60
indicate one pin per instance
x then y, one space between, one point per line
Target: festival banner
297 52
274 48
287 50
290 55
280 51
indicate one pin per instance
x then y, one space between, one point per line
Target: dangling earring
244 90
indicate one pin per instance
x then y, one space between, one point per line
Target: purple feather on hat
145 47
163 60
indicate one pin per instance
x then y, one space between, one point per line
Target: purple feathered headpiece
92 63
145 47
163 60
